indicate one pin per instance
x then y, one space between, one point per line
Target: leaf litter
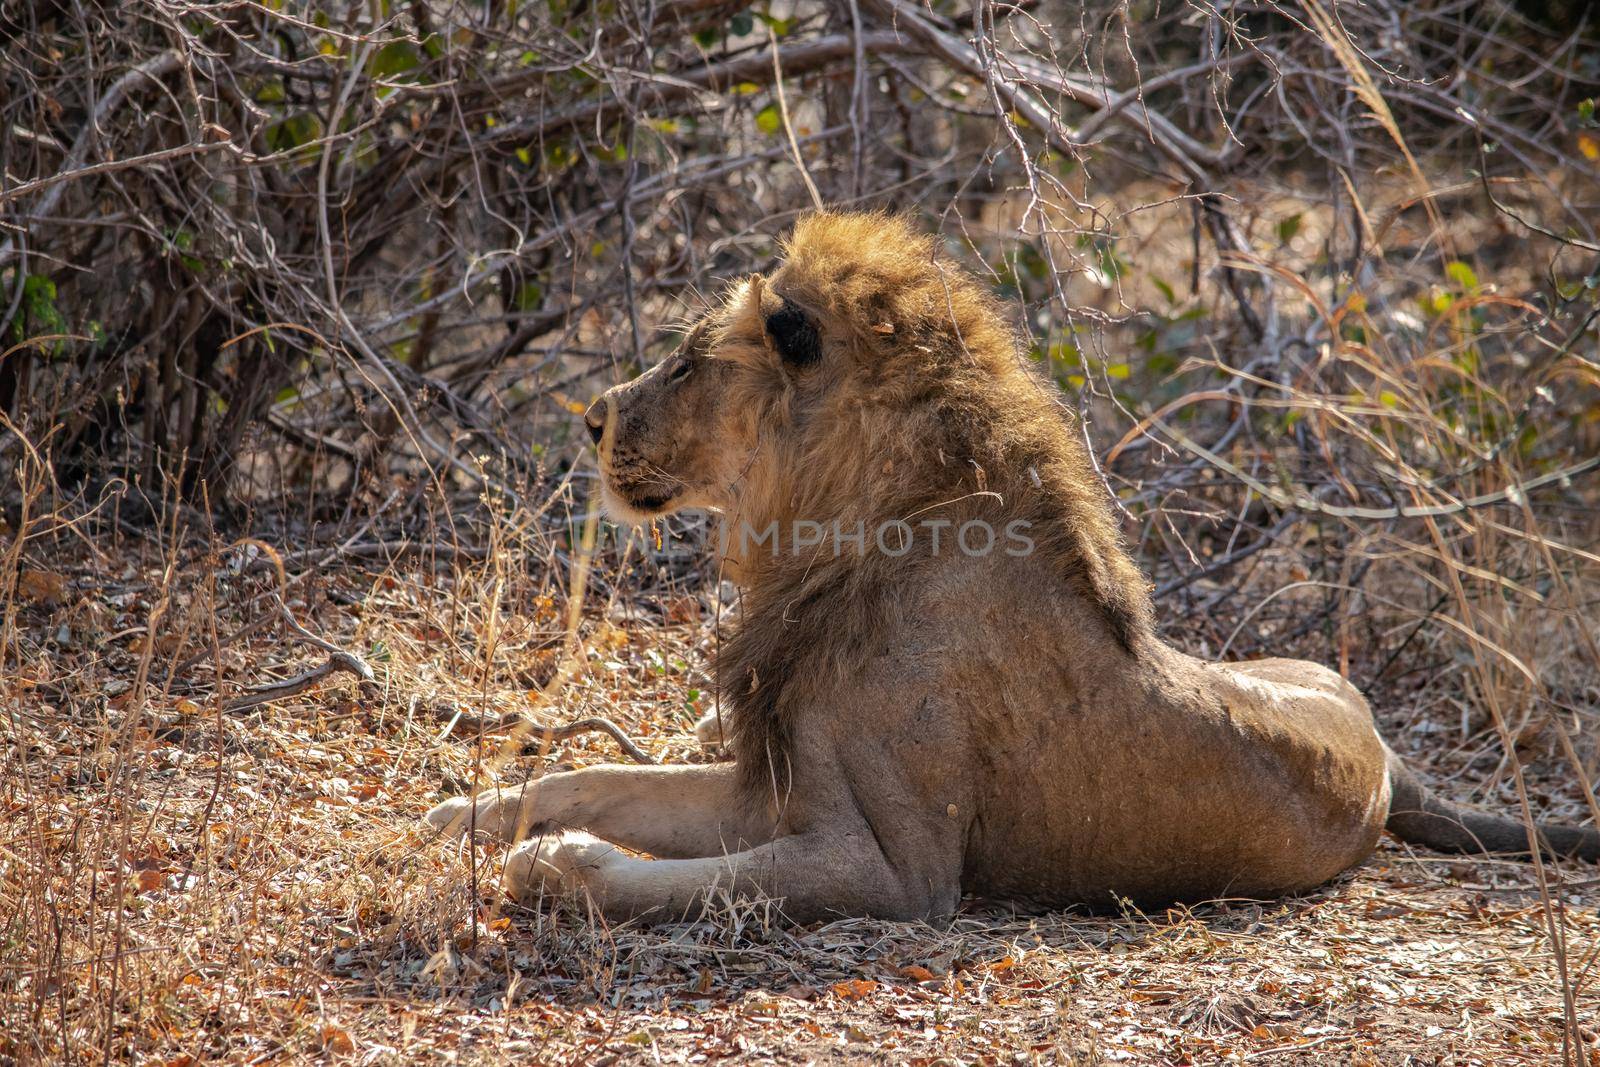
180 885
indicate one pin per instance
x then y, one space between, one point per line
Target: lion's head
865 380
660 437
689 432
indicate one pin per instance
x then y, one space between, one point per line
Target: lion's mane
928 406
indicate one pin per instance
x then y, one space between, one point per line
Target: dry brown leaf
337 1039
854 988
46 588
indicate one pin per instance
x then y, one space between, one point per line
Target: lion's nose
595 419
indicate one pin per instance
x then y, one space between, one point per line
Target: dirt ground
184 884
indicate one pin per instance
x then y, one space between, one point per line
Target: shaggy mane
921 404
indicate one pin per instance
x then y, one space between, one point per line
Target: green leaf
1166 290
39 315
768 120
1389 400
528 297
271 92
1586 110
1437 302
559 156
741 24
1288 227
394 58
779 27
1066 352
1462 275
294 131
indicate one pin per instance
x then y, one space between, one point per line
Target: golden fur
911 726
930 386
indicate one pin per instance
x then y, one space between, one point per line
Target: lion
911 720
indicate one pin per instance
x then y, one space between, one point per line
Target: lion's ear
793 334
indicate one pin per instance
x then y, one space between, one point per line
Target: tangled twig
338 661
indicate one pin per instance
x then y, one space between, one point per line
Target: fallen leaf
41 587
854 988
337 1039
918 973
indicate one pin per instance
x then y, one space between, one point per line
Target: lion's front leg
665 811
822 875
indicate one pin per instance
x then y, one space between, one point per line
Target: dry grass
1358 282
179 885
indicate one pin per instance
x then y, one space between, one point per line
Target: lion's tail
1419 816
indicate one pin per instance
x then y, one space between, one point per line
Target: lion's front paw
455 816
709 731
452 817
556 865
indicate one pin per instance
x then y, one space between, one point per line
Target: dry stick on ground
338 660
539 737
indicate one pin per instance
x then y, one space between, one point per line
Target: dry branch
535 737
336 662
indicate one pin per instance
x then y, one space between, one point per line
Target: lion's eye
681 371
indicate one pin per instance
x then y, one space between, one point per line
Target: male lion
913 719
